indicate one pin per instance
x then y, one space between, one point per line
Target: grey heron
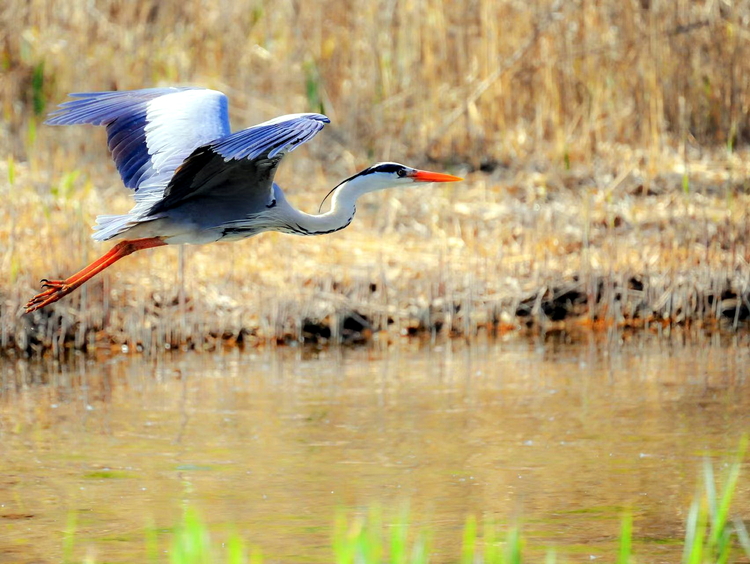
196 182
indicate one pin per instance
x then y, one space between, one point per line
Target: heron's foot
54 290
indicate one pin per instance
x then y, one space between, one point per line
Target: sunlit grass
480 81
482 257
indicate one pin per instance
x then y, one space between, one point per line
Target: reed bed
604 145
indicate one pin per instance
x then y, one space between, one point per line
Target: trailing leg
56 289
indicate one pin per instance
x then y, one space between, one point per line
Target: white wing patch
178 123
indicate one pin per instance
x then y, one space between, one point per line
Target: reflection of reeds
601 206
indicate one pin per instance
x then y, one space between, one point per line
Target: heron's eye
401 172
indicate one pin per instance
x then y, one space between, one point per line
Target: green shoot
626 540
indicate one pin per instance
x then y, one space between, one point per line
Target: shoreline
516 250
562 309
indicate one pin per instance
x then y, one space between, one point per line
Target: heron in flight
196 182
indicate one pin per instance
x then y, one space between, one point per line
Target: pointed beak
427 176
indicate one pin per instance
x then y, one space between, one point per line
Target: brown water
559 437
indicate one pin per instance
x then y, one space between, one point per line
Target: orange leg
56 289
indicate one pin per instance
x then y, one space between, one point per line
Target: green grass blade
235 550
513 546
719 523
724 546
191 543
342 543
399 536
492 554
469 545
69 536
691 532
701 524
37 88
626 539
371 543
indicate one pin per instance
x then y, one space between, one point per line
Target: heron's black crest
386 167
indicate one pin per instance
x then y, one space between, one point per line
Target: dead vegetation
604 142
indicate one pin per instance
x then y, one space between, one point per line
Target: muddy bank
575 306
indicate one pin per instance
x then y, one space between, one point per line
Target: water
561 438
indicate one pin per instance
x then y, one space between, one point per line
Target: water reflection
560 436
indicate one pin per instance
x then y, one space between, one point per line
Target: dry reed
604 142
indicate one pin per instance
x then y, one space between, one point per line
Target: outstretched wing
240 166
150 132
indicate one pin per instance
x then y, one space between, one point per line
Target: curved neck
342 209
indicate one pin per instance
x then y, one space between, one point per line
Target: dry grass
614 135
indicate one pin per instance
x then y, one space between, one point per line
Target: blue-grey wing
150 132
239 168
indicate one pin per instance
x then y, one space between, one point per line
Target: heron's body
196 182
206 220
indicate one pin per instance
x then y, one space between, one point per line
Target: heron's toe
47 283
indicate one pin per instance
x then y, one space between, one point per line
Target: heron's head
388 175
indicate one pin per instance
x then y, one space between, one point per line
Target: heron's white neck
342 208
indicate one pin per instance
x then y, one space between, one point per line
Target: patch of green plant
626 540
711 535
66 186
37 87
313 86
106 475
192 545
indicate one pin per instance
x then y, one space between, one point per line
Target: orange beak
427 176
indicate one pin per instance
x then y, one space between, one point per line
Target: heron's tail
110 226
